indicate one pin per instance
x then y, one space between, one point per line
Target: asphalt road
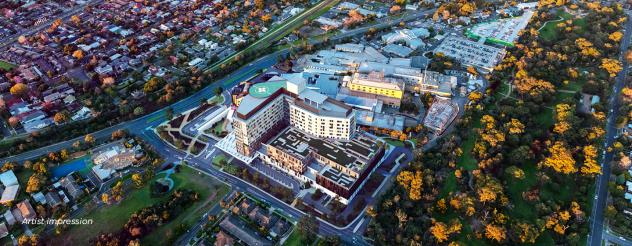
616 239
597 220
144 125
154 119
346 233
275 34
157 117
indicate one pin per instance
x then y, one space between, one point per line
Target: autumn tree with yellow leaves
560 159
590 166
412 183
611 66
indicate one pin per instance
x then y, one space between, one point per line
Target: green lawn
394 142
522 209
218 99
218 158
550 31
294 239
6 66
449 186
211 192
545 118
466 160
113 217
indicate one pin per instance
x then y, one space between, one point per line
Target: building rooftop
398 50
8 178
308 99
263 90
239 229
441 114
377 79
351 154
379 120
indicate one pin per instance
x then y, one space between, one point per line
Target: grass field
113 217
294 239
550 31
211 192
6 66
394 142
217 159
466 160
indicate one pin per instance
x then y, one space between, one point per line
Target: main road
597 221
154 119
346 234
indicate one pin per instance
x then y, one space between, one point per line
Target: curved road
155 118
143 127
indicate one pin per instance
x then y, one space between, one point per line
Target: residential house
71 186
24 211
4 231
8 216
11 187
52 199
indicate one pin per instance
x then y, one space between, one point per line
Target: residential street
601 190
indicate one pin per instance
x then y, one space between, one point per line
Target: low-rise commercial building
441 114
412 38
375 85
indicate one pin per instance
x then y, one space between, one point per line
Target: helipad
263 90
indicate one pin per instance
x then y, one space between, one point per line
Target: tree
612 66
137 179
330 241
34 183
139 110
105 198
395 9
525 232
19 89
560 159
615 36
75 19
266 18
307 227
628 56
496 233
64 154
590 166
13 121
78 54
402 217
76 144
61 117
153 84
260 4
89 139
411 183
218 91
8 166
118 134
439 231
515 126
